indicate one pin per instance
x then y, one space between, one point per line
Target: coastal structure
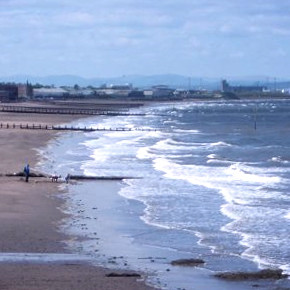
114 90
227 88
49 92
12 92
25 90
8 92
159 91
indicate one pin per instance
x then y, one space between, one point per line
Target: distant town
13 92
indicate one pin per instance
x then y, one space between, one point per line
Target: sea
210 180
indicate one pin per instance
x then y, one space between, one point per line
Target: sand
30 215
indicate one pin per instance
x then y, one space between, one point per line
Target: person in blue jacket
26 172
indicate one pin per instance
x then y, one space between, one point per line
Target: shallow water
215 178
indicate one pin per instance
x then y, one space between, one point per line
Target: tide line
43 257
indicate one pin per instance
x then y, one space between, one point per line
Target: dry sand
29 217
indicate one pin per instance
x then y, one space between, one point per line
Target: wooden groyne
68 128
66 111
85 177
100 105
71 177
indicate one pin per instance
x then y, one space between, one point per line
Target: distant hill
172 80
143 81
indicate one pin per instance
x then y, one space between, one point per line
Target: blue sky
95 38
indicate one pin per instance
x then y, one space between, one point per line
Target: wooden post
255 121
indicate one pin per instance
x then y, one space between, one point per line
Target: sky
107 38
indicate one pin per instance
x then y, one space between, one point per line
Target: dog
54 178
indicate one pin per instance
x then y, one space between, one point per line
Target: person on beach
26 172
67 178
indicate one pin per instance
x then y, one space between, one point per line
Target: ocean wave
143 153
216 159
287 216
220 144
257 244
280 159
219 162
213 156
190 196
171 145
242 173
235 185
177 143
285 268
253 225
186 131
213 175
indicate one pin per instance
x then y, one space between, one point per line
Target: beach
30 216
188 200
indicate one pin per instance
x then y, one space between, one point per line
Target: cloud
157 35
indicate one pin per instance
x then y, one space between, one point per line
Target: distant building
136 94
226 88
8 92
182 93
160 91
49 92
25 90
115 90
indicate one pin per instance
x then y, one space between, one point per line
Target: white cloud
185 33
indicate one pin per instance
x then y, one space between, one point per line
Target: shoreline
111 241
30 216
75 273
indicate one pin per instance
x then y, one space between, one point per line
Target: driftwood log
31 174
123 275
188 262
84 177
73 177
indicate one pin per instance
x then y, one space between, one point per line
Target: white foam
213 156
169 144
287 216
239 173
220 143
239 184
286 269
279 159
198 175
236 185
252 242
186 131
228 211
143 153
218 161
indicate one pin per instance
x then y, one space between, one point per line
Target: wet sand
30 215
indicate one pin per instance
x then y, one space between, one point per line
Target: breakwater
67 128
66 111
